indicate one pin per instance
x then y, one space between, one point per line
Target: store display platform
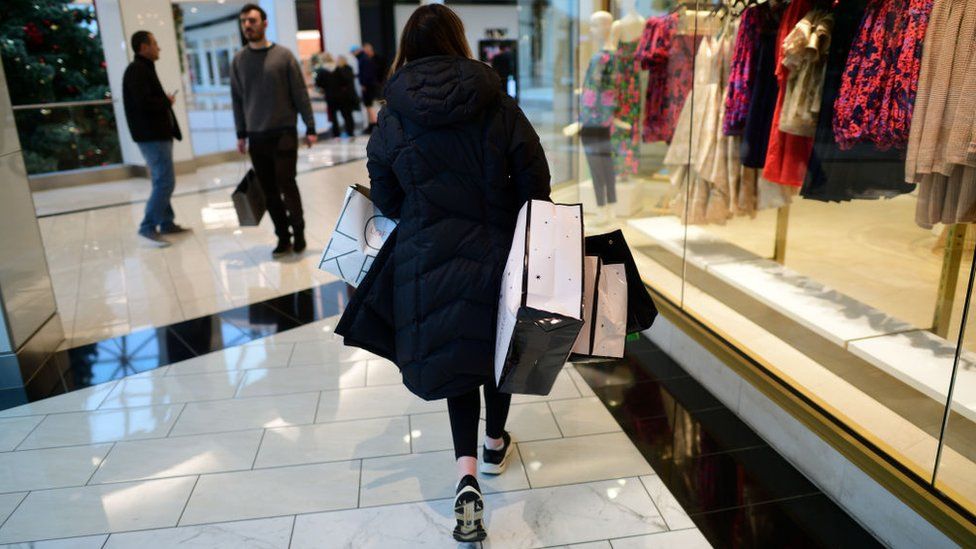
918 358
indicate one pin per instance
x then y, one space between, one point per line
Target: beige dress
706 184
942 136
805 54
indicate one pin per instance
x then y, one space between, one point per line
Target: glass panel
57 138
58 84
956 472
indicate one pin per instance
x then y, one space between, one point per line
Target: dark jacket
147 108
338 86
454 160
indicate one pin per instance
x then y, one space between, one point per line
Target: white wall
340 26
476 19
282 23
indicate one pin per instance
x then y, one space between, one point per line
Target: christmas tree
52 53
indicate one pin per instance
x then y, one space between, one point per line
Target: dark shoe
174 229
494 462
469 508
153 239
300 244
283 247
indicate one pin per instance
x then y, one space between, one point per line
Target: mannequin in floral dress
625 34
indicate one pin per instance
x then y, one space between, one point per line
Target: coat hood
442 90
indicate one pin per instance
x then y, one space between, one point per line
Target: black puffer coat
454 160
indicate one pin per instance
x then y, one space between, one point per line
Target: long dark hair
433 29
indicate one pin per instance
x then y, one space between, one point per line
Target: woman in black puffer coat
454 160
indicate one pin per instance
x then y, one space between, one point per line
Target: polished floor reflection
256 427
733 486
108 284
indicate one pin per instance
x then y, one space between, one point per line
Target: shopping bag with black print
359 234
540 308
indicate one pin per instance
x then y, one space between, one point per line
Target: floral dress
598 99
669 59
879 85
626 143
743 71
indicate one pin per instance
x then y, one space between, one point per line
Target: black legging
465 410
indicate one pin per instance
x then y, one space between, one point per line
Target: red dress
787 156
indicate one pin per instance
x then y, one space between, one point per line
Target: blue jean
159 160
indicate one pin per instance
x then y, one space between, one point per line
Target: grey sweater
268 91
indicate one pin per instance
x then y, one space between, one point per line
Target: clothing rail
62 104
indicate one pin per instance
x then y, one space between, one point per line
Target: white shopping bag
359 234
604 310
540 306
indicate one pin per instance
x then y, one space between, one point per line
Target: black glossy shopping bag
249 200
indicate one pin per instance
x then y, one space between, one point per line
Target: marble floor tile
88 398
51 468
273 492
70 512
590 545
583 416
272 533
419 477
685 539
14 430
370 402
424 525
9 502
582 459
562 388
147 313
581 385
173 389
241 357
298 379
337 441
526 422
327 352
667 505
571 514
103 426
179 456
87 542
246 413
382 372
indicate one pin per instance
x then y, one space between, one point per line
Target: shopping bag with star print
540 308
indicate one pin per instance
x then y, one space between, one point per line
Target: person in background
268 91
454 160
370 80
149 113
338 85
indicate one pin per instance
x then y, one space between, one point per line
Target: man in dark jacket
149 112
370 81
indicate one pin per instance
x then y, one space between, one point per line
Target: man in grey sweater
268 91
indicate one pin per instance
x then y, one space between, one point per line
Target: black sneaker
494 462
284 247
300 244
174 229
469 509
153 240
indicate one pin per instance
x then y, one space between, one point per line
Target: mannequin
598 104
630 26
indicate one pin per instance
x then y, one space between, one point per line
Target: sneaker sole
493 469
469 512
153 243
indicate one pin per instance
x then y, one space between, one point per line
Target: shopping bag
541 302
359 234
248 200
604 310
612 249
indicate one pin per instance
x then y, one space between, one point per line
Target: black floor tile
711 432
639 401
811 521
621 373
733 479
122 356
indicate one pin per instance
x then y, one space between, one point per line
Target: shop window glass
804 195
55 72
